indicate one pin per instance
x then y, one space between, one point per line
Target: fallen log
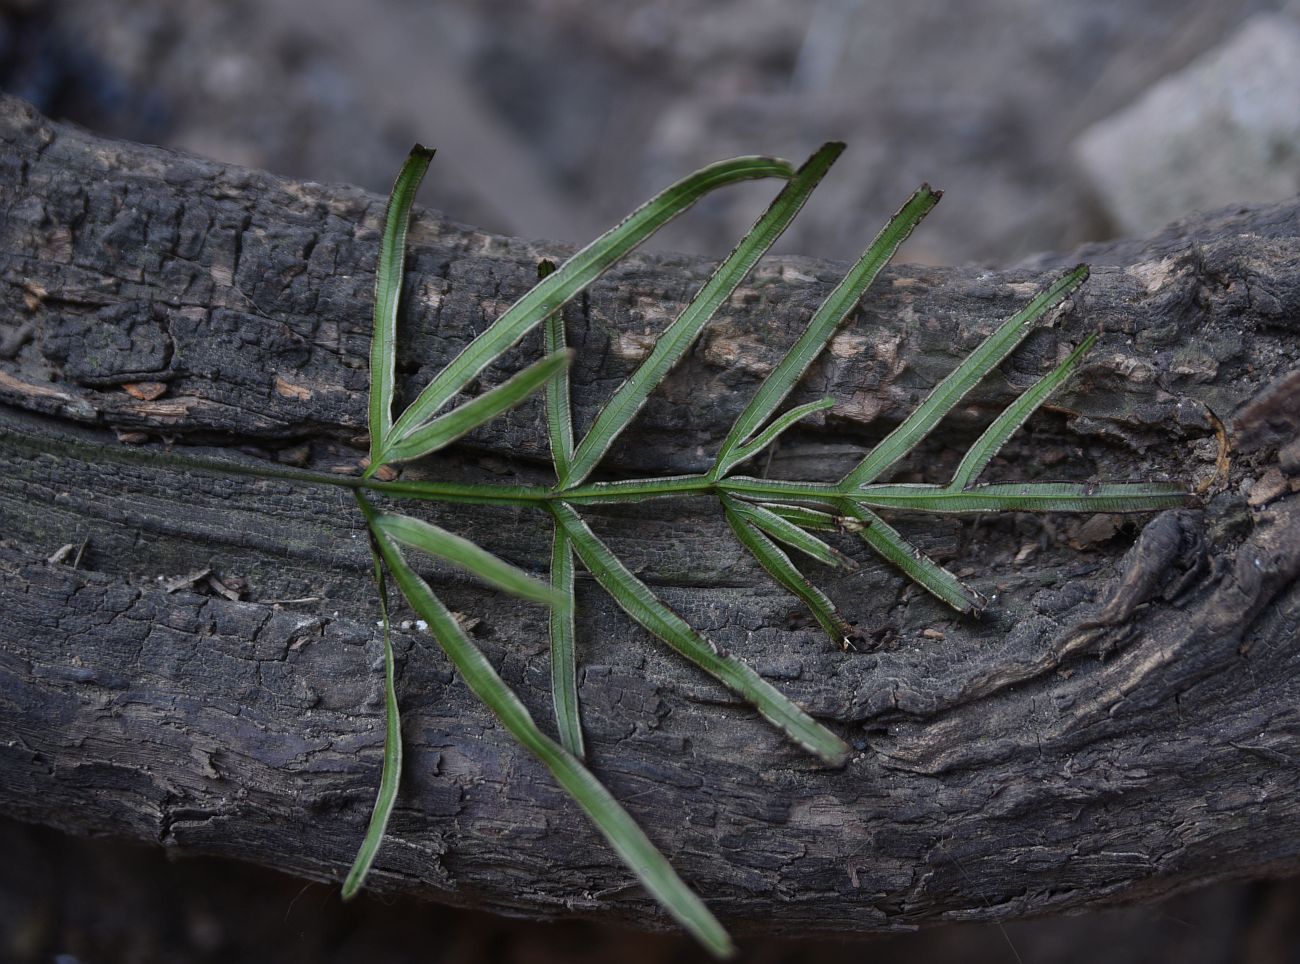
190 657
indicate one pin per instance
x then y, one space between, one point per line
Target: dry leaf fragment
232 588
1267 487
145 391
186 581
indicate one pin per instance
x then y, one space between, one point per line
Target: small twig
186 581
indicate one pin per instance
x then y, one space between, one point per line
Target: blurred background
1048 122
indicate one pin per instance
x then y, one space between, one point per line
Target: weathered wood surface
1125 723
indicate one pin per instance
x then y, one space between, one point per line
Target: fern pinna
769 517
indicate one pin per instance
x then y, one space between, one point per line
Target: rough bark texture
1123 724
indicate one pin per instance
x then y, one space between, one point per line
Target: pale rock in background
1224 130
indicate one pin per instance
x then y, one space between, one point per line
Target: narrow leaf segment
559 404
765 514
635 598
920 568
783 529
990 353
1014 416
576 274
564 646
441 544
445 429
769 435
388 293
805 517
1028 497
615 824
391 775
778 565
815 337
681 334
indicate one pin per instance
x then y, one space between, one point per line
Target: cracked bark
1123 725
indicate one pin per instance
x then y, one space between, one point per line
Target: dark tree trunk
1124 723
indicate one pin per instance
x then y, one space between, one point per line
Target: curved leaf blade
388 293
564 655
635 598
1013 416
614 823
827 319
559 401
778 565
681 334
445 429
391 774
783 530
920 568
990 353
741 453
580 271
441 544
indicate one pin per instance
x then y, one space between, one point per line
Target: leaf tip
839 757
976 603
831 151
825 155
